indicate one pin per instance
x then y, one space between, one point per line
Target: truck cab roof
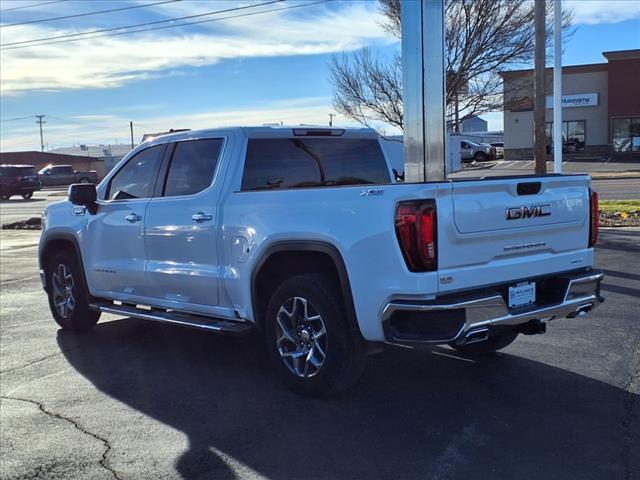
269 131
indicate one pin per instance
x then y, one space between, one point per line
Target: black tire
488 346
5 196
79 316
480 157
27 195
344 358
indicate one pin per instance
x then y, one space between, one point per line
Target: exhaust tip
477 336
581 311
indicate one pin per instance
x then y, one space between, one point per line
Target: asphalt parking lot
138 400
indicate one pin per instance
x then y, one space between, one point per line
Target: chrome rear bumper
485 311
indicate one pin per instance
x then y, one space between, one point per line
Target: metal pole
40 122
423 87
539 98
557 86
131 128
331 115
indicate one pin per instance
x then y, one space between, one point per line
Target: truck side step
202 322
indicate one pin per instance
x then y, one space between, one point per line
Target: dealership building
600 109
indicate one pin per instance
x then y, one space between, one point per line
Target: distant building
474 124
600 109
41 159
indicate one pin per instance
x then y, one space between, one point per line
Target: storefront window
573 136
625 133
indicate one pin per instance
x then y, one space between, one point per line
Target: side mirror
84 195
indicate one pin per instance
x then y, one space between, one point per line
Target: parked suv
302 236
55 175
18 180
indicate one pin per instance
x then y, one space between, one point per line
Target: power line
31 6
83 124
88 13
91 32
14 119
177 25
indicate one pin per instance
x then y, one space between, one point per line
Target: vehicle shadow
414 414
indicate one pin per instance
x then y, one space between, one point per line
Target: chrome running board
176 318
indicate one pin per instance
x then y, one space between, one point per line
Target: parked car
55 175
499 148
302 236
18 180
479 152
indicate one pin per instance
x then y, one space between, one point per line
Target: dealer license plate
522 294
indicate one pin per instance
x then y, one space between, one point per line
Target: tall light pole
539 99
423 89
39 121
557 86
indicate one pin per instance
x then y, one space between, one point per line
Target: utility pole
131 128
539 105
557 86
39 121
331 115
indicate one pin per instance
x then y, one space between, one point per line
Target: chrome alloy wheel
63 287
301 337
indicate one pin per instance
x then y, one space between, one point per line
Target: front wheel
27 195
480 157
308 338
488 346
68 295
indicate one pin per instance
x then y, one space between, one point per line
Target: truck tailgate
511 228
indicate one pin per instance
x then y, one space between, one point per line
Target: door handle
132 218
201 217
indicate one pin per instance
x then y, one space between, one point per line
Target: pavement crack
76 425
13 369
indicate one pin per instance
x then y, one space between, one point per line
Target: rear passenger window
313 162
192 166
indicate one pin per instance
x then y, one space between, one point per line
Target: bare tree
482 38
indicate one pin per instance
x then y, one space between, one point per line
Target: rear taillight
417 234
594 217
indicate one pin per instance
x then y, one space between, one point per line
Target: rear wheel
308 338
27 195
68 295
488 346
5 196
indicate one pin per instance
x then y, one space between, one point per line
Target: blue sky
263 68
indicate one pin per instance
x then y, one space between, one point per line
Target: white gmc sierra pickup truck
302 235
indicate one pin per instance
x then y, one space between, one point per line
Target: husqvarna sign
577 100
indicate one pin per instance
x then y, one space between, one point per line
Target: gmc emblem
531 211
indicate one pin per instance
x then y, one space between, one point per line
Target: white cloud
112 61
591 12
96 129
